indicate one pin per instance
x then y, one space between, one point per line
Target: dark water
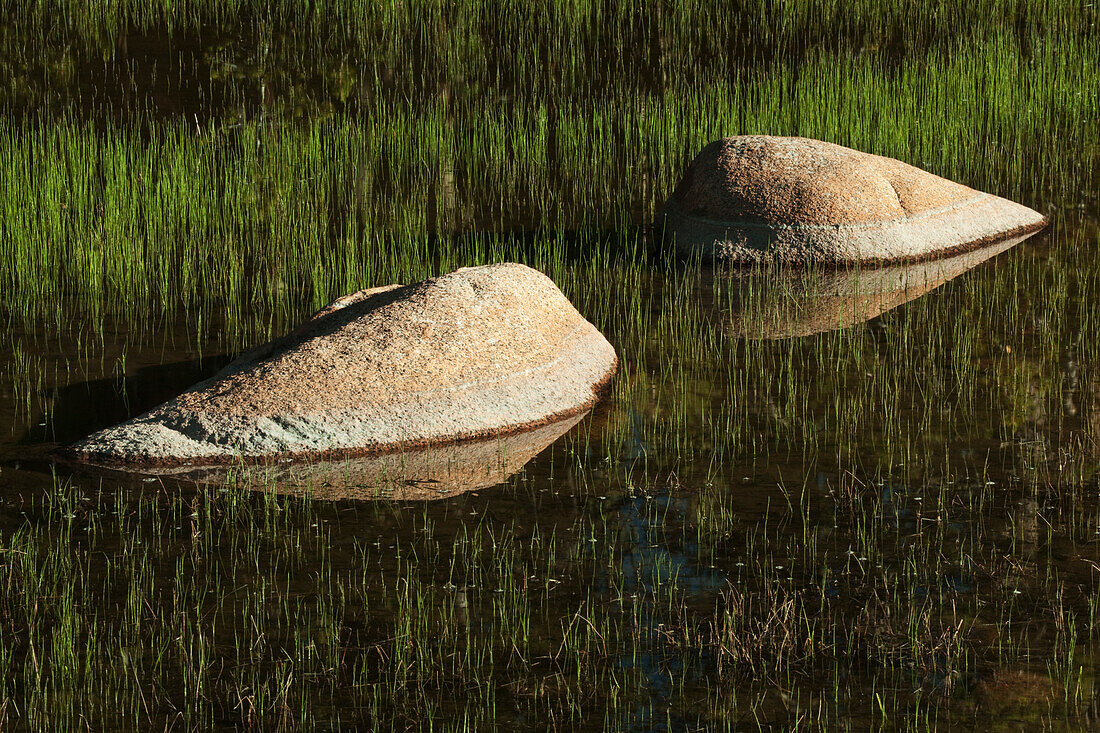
872 497
660 536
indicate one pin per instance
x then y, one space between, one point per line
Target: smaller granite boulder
479 353
756 198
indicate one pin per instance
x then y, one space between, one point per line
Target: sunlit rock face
479 353
755 198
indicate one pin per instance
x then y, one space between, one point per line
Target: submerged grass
646 607
871 527
761 531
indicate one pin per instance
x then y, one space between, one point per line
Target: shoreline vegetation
246 209
891 525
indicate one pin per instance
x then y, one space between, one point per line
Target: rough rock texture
756 198
478 353
793 302
424 474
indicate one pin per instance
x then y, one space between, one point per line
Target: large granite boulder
756 198
479 353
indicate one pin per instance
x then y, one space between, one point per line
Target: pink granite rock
756 198
479 353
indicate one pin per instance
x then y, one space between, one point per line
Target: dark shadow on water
623 246
263 65
85 407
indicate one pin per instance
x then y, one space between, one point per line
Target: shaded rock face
794 302
478 353
756 198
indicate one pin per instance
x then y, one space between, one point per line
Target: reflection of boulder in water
430 473
791 302
1017 693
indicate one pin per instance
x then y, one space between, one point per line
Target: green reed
276 218
857 527
234 607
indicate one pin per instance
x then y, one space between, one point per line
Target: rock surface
478 353
794 302
756 198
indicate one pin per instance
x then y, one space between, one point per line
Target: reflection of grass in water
869 554
260 610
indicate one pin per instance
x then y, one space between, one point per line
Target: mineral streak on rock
479 353
756 198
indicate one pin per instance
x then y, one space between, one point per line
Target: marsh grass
231 607
273 219
853 528
838 517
